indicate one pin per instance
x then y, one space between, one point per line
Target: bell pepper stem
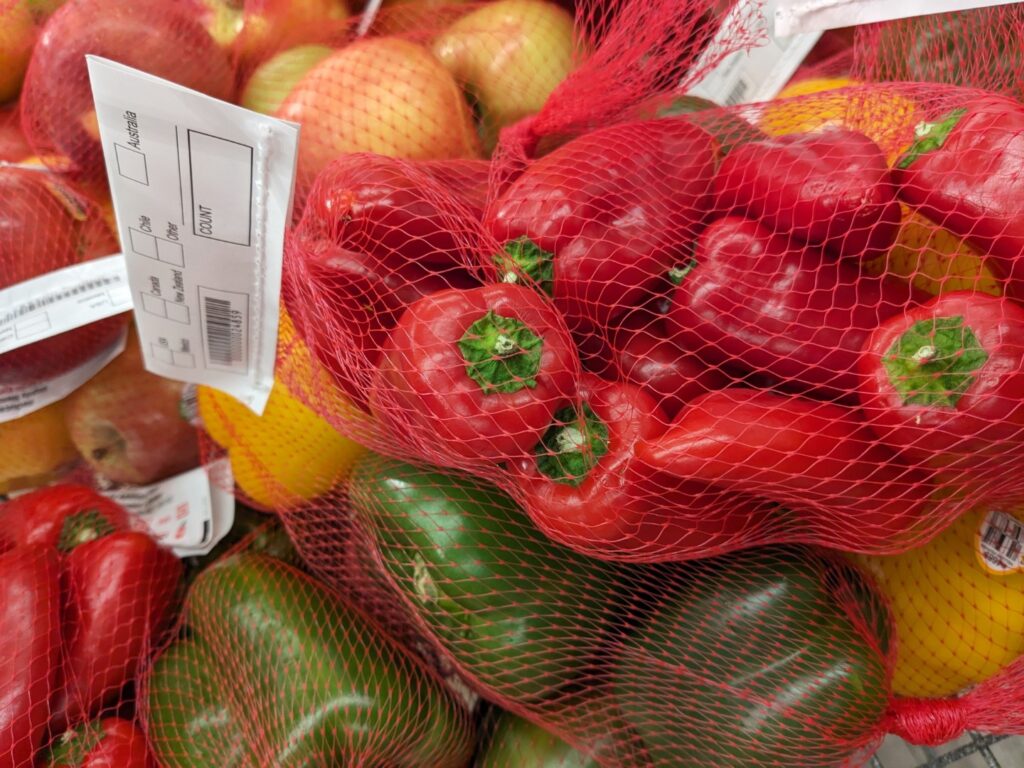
502 354
83 527
572 446
523 258
931 136
934 362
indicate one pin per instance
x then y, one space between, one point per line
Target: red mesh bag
979 47
163 38
86 598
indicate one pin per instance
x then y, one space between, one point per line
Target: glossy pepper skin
29 648
647 354
365 299
775 656
118 592
598 220
581 483
813 457
829 188
761 303
294 677
398 212
476 373
944 384
108 743
516 612
963 173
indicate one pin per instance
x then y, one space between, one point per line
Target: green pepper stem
502 354
83 527
523 257
572 446
931 136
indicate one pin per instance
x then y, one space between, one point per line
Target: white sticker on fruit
189 512
1001 543
802 16
15 403
202 190
745 77
63 300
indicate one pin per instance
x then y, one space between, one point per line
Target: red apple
39 233
13 147
127 422
383 95
17 32
163 38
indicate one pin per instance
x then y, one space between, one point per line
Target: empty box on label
221 172
131 164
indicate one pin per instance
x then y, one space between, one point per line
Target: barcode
738 92
1002 540
223 332
53 298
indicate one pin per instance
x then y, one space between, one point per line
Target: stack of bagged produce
610 427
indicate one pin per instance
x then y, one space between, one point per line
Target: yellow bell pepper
289 454
957 606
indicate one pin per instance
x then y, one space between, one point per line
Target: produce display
611 425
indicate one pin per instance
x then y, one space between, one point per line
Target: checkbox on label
184 359
131 164
154 305
32 326
142 243
177 312
162 354
170 252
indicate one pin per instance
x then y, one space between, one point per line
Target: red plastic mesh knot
520 138
927 722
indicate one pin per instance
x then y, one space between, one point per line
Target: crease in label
202 192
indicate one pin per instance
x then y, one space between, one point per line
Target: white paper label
1001 543
202 190
61 301
796 16
189 513
20 402
745 77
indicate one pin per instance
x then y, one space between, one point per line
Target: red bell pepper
581 482
476 373
598 220
647 354
118 591
831 188
108 743
398 212
585 488
944 384
811 456
344 303
29 650
754 300
964 173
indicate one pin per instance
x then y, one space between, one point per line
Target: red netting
577 374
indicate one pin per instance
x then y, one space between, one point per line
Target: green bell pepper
279 665
762 658
518 743
519 613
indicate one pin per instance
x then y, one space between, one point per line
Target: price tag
189 512
759 74
1000 543
802 16
202 190
63 300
